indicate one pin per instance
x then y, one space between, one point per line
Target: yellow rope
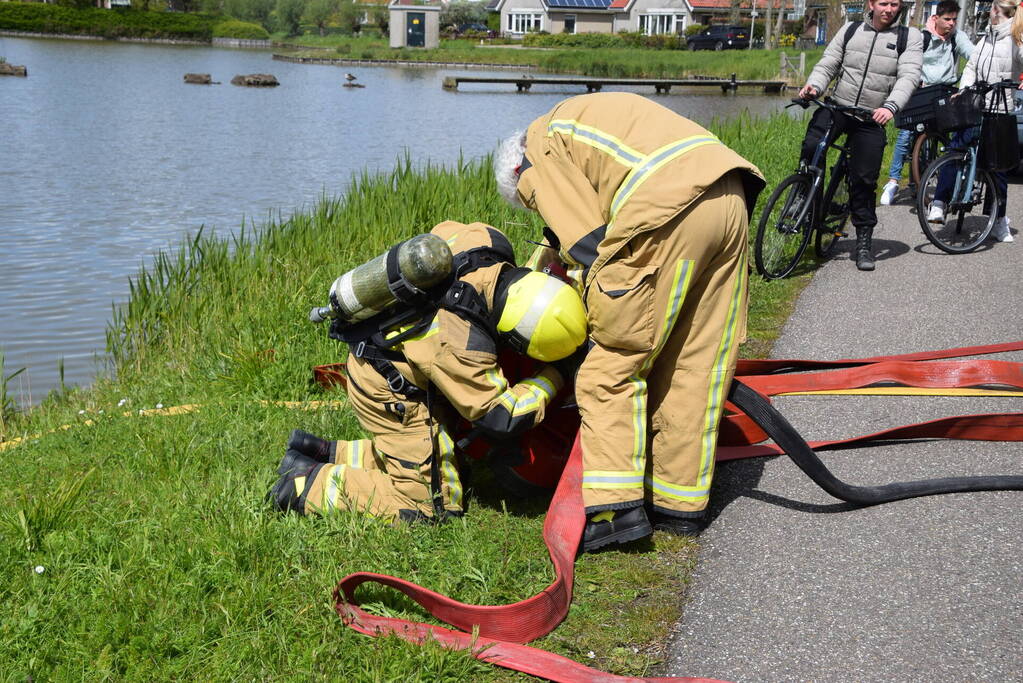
908 391
176 410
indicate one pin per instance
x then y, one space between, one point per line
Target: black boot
679 526
864 259
313 446
285 494
615 526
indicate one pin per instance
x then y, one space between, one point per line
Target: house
708 12
519 17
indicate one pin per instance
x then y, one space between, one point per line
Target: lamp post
752 21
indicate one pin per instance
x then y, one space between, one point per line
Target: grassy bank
35 17
138 547
610 62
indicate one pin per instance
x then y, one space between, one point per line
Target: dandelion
591 654
159 406
40 569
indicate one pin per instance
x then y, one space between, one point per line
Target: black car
720 38
475 29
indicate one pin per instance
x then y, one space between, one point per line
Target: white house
519 17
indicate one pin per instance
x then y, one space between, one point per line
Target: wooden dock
594 84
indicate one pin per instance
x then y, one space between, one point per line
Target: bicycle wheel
966 225
927 148
834 215
783 233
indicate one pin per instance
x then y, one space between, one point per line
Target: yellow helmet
540 315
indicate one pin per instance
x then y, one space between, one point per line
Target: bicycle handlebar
858 112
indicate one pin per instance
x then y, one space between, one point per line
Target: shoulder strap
902 40
849 33
927 40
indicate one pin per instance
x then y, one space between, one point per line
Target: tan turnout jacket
605 167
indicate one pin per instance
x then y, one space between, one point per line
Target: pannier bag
958 113
999 141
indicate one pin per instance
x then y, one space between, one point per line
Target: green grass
159 558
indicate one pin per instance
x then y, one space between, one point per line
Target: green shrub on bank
623 39
240 30
117 23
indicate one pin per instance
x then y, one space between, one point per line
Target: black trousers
866 141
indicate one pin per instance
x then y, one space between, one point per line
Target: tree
461 12
350 17
382 18
256 11
288 16
319 12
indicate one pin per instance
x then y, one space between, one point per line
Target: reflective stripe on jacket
605 167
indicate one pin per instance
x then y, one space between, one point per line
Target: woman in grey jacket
873 73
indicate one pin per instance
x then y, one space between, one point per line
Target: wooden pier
594 84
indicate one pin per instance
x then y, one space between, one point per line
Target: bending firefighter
650 213
415 369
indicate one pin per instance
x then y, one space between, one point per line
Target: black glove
568 366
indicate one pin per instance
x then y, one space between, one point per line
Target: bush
624 39
120 23
241 30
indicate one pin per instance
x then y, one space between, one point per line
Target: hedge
241 30
623 39
112 23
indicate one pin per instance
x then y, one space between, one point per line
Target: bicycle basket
920 107
958 113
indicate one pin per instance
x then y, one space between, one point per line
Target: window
654 23
524 22
569 23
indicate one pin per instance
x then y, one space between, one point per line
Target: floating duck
350 77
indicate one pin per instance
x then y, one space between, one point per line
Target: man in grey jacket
877 64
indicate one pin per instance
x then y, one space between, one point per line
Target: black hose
760 410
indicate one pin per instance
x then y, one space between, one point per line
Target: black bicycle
802 206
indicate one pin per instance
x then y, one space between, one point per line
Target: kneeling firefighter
417 366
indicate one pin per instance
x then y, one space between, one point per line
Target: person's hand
882 115
808 91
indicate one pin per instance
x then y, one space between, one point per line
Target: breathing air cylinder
401 273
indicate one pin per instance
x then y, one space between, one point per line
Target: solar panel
579 4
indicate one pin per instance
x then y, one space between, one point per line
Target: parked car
720 37
475 29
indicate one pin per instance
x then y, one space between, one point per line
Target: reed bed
137 546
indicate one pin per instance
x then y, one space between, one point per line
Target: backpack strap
849 34
927 40
902 40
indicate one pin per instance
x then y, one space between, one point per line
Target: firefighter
410 397
649 211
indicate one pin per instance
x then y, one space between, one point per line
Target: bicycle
928 146
801 206
962 230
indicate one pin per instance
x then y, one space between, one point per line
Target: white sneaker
1000 233
936 213
888 194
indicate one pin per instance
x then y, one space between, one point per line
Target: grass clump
166 563
240 30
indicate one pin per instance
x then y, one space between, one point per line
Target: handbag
958 113
999 141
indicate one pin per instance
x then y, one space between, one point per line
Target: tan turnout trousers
666 318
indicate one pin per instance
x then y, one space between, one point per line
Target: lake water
108 157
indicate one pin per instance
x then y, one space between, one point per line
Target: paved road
793 585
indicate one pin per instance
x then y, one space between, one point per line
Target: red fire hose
495 633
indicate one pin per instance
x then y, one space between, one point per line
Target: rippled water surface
107 156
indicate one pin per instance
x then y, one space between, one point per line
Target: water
108 156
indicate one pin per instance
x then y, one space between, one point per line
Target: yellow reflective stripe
654 161
433 329
718 377
451 240
609 479
447 466
679 287
597 139
355 453
335 484
541 384
689 494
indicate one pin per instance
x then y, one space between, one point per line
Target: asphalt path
793 585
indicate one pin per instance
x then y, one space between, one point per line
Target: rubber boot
313 446
678 526
864 259
297 474
615 526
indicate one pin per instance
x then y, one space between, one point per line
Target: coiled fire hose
495 633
